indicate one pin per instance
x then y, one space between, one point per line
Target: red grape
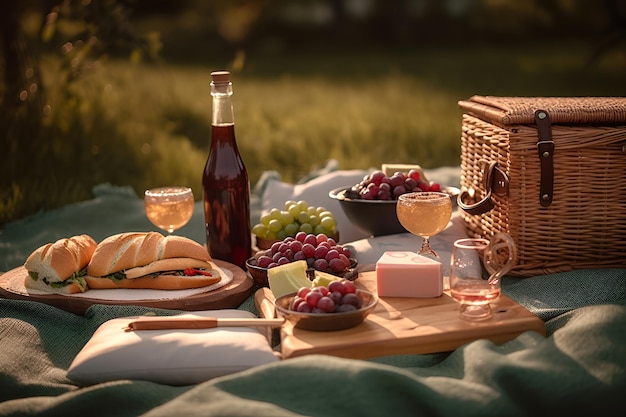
337 286
336 296
264 261
320 252
350 287
303 291
326 304
320 264
311 238
296 302
332 254
350 298
304 308
313 297
308 250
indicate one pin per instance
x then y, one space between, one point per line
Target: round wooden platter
230 295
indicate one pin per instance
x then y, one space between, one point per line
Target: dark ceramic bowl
326 322
259 275
375 217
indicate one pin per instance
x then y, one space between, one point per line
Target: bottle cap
220 76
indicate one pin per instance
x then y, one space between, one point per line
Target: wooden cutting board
230 295
406 326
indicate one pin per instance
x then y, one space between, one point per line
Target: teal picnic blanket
579 367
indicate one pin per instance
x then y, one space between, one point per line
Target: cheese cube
407 274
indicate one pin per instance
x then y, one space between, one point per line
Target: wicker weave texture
562 110
584 227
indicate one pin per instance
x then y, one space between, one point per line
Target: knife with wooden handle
186 322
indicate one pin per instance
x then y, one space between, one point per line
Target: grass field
149 125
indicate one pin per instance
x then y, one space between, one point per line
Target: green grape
294 210
265 219
271 235
289 203
312 211
319 229
275 214
303 205
275 225
291 229
325 213
285 218
306 228
281 235
321 210
314 220
328 223
260 230
303 217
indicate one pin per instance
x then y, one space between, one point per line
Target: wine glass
169 208
476 268
424 214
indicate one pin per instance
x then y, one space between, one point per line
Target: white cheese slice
288 278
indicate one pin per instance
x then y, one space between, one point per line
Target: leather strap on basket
545 147
495 181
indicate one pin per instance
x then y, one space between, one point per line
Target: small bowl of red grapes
371 204
338 306
322 253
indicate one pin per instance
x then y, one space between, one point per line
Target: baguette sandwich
150 261
60 267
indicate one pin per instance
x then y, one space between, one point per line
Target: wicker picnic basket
551 172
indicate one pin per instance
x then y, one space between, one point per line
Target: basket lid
562 110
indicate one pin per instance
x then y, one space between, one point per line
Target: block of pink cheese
407 274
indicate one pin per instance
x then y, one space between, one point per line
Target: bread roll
150 261
57 262
130 250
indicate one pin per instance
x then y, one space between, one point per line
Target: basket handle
495 181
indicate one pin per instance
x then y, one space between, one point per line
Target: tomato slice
193 271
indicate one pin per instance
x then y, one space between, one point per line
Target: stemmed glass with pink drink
169 208
424 214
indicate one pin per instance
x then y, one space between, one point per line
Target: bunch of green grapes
296 216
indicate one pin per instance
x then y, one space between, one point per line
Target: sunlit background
118 91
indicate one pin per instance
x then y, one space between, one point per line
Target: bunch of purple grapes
319 251
378 186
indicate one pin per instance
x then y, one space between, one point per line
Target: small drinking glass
424 214
169 208
476 268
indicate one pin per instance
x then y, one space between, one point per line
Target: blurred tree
97 28
22 98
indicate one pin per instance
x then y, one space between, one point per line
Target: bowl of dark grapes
322 253
371 204
338 306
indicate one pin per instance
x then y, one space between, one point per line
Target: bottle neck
223 114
